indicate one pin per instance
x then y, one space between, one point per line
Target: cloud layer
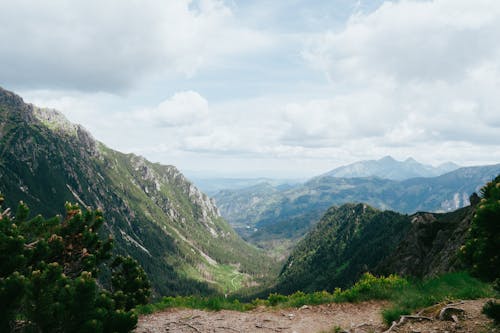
406 78
113 45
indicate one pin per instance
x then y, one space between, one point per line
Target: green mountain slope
154 213
348 241
355 238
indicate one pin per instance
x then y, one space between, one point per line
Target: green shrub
275 299
49 270
492 310
372 287
393 313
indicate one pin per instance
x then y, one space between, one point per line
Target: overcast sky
265 88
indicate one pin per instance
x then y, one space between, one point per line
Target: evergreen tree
481 250
49 271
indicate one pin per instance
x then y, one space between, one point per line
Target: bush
492 310
372 287
275 299
49 270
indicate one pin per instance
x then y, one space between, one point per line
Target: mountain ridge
154 213
353 239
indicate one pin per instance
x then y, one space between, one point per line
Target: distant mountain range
386 168
152 211
264 214
389 168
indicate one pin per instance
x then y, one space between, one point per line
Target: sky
283 89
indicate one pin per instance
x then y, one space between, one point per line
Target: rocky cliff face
154 213
431 245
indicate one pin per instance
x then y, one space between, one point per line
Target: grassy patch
228 278
406 296
214 303
420 294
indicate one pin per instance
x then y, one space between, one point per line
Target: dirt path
358 318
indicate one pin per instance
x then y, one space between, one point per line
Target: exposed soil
356 318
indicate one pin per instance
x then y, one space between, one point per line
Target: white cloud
410 40
110 45
187 108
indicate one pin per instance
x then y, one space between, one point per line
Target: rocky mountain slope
153 212
264 214
430 247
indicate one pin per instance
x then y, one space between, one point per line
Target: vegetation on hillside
153 212
49 275
348 241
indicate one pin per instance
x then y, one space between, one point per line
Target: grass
421 294
405 296
213 303
229 279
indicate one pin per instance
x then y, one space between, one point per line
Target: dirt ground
353 318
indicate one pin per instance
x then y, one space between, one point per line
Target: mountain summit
389 168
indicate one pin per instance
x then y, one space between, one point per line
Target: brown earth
347 317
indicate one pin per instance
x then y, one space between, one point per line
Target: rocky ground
346 317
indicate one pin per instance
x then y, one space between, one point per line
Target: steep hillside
348 241
288 214
389 168
154 213
353 239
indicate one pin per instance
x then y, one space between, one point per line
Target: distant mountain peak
389 168
411 160
387 158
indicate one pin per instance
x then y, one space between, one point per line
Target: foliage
481 250
213 303
49 270
372 287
